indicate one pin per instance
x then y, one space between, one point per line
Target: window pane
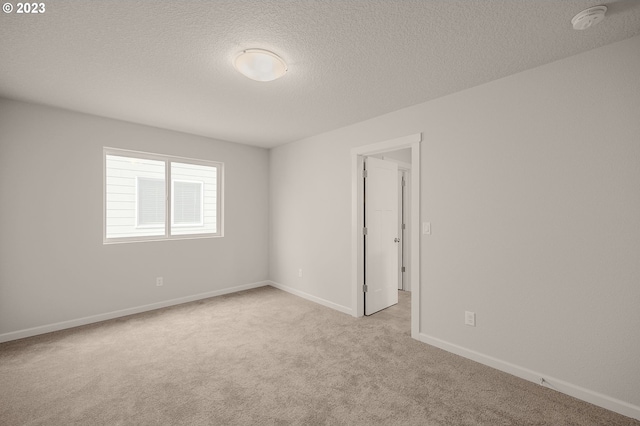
151 202
187 202
128 212
194 197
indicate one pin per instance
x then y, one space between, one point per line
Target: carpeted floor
264 357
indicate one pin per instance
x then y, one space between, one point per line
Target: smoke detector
588 17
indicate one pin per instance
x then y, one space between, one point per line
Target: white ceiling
169 63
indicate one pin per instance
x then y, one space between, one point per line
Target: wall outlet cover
470 318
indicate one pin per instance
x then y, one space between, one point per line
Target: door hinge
403 181
364 231
364 173
404 226
404 269
365 288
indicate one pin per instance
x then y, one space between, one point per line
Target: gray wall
53 265
532 186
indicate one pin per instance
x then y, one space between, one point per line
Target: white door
381 239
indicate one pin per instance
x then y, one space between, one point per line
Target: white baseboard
575 391
312 298
21 334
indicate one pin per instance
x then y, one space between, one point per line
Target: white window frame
173 204
167 159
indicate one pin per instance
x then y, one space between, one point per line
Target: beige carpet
265 357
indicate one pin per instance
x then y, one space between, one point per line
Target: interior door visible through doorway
381 238
402 249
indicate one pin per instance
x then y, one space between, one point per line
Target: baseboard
312 298
575 391
21 334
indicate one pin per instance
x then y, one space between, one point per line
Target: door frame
357 222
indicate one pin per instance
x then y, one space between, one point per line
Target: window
151 197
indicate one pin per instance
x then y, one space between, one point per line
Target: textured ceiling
169 64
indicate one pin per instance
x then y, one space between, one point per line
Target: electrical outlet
426 228
300 272
159 281
470 318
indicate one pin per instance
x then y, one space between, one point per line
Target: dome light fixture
588 17
260 65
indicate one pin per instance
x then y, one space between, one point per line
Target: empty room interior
320 212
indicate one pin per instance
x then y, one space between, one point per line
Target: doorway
358 154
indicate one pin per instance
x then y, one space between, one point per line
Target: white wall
53 264
532 186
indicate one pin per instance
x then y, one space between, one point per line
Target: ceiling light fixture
260 65
588 17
